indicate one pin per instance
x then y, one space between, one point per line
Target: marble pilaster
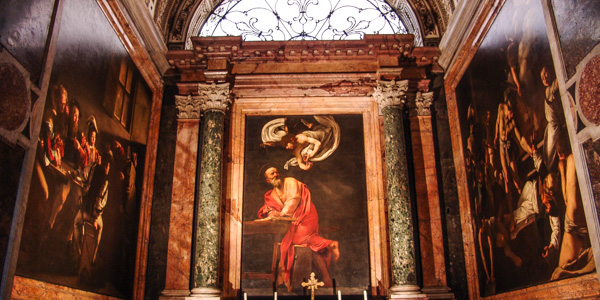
215 99
428 202
177 281
390 97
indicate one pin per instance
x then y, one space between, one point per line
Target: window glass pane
129 79
267 20
123 72
125 112
119 102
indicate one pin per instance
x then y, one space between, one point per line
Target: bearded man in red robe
291 198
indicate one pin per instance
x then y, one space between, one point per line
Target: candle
339 295
365 294
275 295
245 296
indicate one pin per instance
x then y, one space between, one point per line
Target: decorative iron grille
283 20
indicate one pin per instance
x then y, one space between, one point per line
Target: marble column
391 96
215 99
177 281
431 238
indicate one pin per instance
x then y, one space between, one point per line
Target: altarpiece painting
317 220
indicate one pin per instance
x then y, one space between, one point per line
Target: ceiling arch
178 20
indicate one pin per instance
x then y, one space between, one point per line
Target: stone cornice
211 58
419 104
390 93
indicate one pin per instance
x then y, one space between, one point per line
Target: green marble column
215 101
390 97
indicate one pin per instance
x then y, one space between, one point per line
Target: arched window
283 20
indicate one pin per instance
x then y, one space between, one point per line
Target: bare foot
335 250
288 284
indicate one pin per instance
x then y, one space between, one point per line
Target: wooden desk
267 226
277 227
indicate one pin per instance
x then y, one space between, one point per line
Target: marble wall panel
26 288
158 243
11 160
24 29
579 37
179 257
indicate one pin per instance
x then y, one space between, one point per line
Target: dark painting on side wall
81 220
528 214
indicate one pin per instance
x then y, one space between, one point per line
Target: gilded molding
163 9
189 107
214 96
419 104
429 23
390 93
178 28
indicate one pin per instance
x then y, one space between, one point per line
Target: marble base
437 292
205 293
406 291
174 294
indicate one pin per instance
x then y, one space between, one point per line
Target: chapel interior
178 173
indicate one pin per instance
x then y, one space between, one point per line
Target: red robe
303 232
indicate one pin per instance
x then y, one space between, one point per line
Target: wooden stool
302 265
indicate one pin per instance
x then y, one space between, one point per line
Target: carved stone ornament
390 93
15 102
214 96
420 104
188 106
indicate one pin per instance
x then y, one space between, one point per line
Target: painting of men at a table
81 220
305 204
83 205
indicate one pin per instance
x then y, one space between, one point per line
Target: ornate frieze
390 93
419 104
214 96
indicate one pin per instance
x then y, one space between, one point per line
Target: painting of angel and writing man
528 213
305 194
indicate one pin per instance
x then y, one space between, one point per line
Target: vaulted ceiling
175 17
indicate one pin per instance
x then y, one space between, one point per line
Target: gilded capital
214 96
188 106
420 104
390 93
